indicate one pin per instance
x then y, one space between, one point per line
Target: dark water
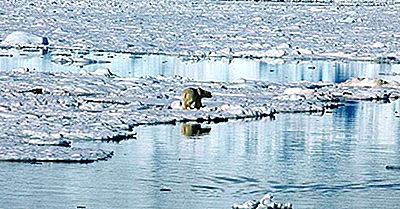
335 160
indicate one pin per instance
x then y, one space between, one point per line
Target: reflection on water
332 161
216 70
190 129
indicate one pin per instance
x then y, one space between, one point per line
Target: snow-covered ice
210 28
45 111
24 38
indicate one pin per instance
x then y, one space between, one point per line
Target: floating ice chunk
23 38
264 203
249 204
266 199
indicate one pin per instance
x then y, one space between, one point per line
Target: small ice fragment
266 199
246 205
287 205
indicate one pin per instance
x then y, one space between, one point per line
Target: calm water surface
335 160
128 65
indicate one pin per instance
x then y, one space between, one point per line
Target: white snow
232 109
274 53
176 105
202 28
378 45
297 90
103 72
24 38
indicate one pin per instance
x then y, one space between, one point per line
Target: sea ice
206 28
55 109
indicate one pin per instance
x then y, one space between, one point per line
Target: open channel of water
334 160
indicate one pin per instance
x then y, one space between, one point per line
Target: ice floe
206 28
39 110
264 203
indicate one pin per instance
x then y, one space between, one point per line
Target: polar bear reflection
190 129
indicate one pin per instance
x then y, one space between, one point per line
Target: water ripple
206 188
334 188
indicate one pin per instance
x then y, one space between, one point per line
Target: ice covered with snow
44 113
264 203
24 38
209 27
